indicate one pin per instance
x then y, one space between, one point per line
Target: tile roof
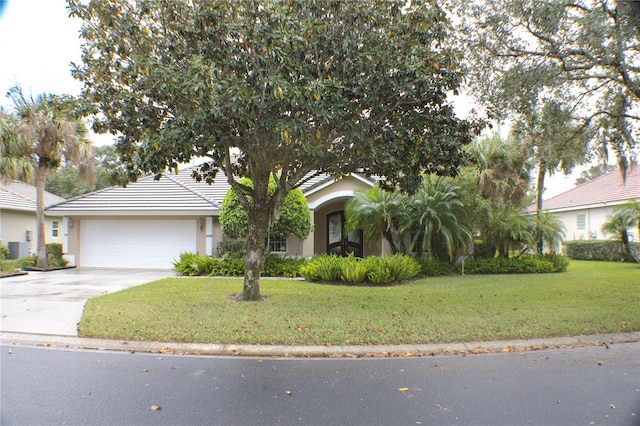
603 190
21 196
172 194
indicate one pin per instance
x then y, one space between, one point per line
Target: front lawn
590 298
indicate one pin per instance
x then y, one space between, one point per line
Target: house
18 221
150 222
584 209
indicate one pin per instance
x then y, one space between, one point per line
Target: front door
338 241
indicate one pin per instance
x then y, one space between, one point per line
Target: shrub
433 267
515 265
611 251
351 270
4 252
54 255
354 271
232 265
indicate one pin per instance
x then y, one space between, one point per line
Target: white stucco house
585 208
149 223
18 222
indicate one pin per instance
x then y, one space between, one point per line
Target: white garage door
135 243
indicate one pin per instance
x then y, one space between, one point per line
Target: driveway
53 302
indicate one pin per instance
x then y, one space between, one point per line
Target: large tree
584 53
42 134
291 85
553 142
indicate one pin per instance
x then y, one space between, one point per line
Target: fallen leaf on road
155 407
288 392
10 351
612 406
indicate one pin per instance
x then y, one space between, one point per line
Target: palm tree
618 224
379 214
500 168
549 229
506 230
436 217
43 134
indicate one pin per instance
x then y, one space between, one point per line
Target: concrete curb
350 351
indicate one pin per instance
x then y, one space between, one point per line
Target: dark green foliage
433 267
232 265
483 250
54 254
599 250
516 265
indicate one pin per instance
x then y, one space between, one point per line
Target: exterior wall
14 225
594 219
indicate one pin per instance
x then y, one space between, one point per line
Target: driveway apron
53 302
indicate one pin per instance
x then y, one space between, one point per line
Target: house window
581 221
277 243
55 227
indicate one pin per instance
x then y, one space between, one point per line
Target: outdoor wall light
201 223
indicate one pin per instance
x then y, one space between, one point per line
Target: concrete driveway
53 302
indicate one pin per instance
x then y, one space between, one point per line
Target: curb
349 351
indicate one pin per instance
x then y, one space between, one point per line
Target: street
581 386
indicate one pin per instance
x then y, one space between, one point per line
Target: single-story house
150 222
18 221
584 209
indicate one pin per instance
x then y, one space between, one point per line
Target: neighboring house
18 222
584 209
149 223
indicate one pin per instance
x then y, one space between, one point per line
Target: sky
38 42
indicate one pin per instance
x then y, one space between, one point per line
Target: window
55 227
277 243
581 221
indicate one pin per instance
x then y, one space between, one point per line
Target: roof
172 194
602 191
21 196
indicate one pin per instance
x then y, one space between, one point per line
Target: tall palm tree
437 219
379 214
46 133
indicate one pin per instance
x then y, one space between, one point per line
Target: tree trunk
41 244
539 191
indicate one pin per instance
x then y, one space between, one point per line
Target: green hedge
536 264
232 265
373 270
599 250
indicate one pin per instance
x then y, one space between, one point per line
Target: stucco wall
14 225
594 219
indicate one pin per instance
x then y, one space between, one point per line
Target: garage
135 243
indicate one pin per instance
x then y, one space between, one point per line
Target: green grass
590 298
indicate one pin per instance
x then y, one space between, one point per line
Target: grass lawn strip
590 298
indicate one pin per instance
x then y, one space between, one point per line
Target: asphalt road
581 386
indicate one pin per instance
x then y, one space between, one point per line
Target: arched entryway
339 241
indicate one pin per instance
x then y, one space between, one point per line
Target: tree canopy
292 85
37 137
294 217
582 53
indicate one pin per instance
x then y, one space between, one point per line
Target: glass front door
338 241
